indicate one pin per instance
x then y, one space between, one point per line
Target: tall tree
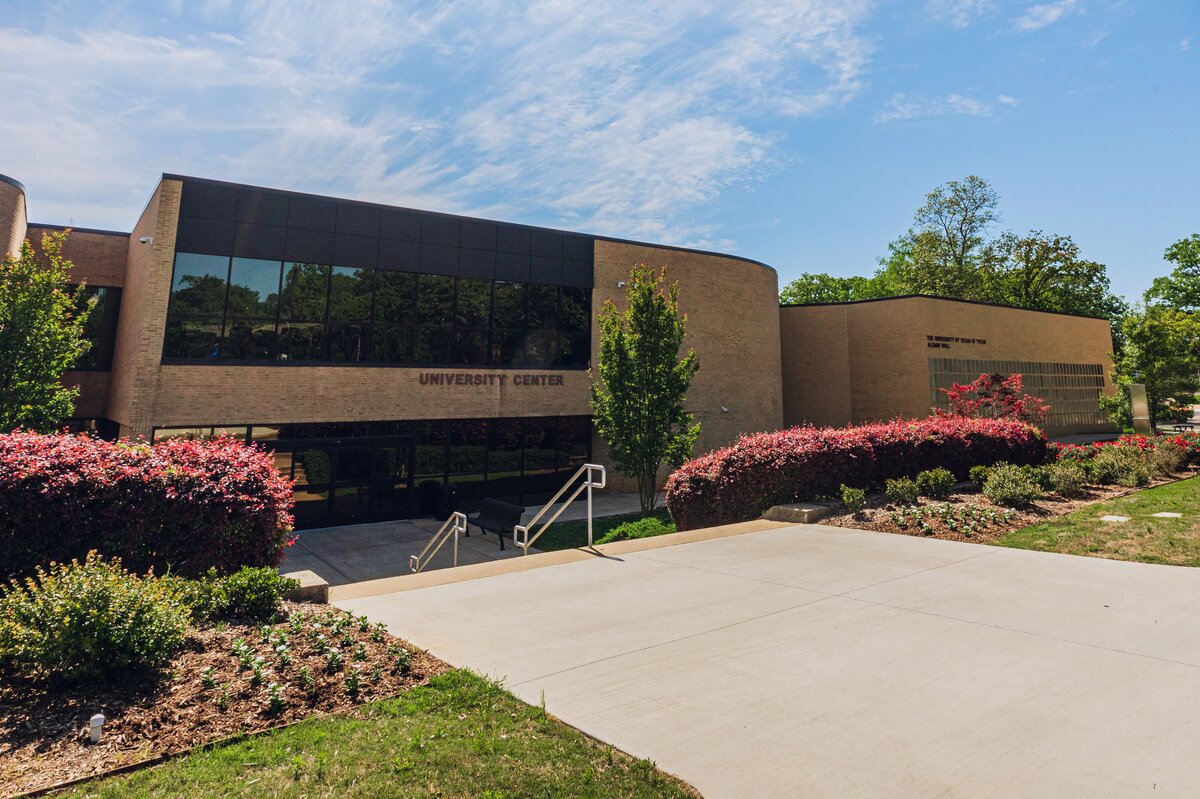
637 395
947 251
41 335
1181 288
1162 351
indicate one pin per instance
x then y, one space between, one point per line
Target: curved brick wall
13 219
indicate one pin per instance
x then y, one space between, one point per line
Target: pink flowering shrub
179 506
741 481
1188 442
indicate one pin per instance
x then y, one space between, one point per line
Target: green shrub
1067 479
1135 474
855 499
1011 487
252 593
90 621
1123 465
902 491
639 528
978 474
935 483
1168 458
1039 475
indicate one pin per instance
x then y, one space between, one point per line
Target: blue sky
803 133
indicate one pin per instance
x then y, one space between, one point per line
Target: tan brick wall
99 259
13 218
93 393
135 376
887 353
815 353
733 326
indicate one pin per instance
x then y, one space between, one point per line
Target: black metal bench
496 517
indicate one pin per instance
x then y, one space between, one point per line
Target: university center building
383 353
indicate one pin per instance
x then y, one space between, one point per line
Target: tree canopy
1181 288
952 251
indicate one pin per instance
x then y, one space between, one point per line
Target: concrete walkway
813 661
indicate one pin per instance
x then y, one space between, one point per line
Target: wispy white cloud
1039 16
959 13
904 106
1185 44
1094 39
623 117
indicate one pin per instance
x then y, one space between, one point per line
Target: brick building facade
382 351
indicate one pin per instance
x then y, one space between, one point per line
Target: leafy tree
1162 351
813 288
947 252
41 335
995 397
1181 288
637 400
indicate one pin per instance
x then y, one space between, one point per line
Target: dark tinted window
244 309
100 329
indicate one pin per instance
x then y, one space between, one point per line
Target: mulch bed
208 693
877 515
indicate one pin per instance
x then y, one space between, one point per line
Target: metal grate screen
1072 390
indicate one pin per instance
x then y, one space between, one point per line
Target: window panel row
240 309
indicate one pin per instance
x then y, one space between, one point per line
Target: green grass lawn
460 736
1142 538
573 534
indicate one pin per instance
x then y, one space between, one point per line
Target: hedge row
742 481
179 506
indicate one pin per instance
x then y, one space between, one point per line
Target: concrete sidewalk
816 661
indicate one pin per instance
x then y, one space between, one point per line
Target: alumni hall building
378 351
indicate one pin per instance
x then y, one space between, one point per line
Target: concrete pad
312 587
798 513
814 661
1167 515
1114 519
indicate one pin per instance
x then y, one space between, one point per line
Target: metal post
589 508
456 542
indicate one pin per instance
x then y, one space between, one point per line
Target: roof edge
231 184
12 182
76 229
940 299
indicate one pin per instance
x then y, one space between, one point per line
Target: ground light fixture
96 728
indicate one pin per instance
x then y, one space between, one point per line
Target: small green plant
276 702
208 678
376 673
364 624
307 682
353 681
902 490
1011 487
347 641
360 652
401 659
283 654
222 698
244 654
90 621
648 527
978 474
1067 479
333 660
936 483
258 672
379 633
855 499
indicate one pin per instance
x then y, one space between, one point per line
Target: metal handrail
521 535
454 526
